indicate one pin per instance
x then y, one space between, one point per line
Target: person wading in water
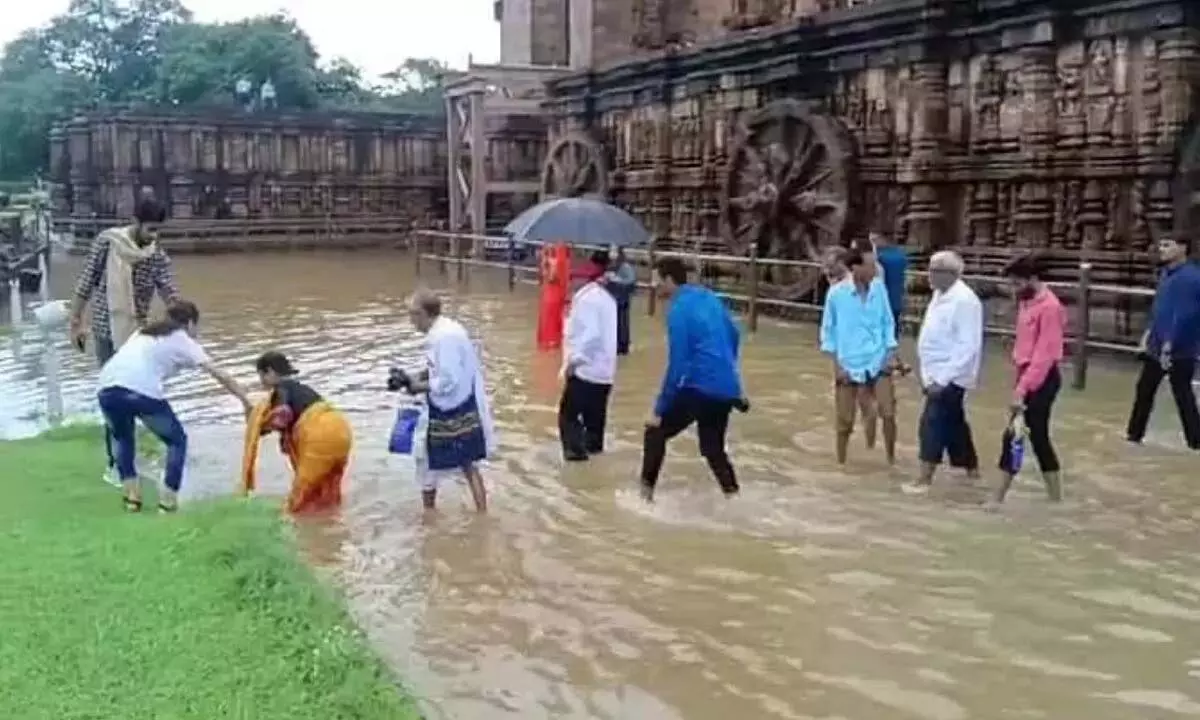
456 431
315 437
1171 345
1037 351
589 365
132 388
702 383
858 332
124 269
621 281
949 348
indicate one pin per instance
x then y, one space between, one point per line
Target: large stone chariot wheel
575 166
790 186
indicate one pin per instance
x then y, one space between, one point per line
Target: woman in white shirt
132 388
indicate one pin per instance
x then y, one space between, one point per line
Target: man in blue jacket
1171 344
702 383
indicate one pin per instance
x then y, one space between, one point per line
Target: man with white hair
456 425
949 349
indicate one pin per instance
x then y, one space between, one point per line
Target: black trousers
711 417
1037 421
623 328
1180 376
944 430
582 415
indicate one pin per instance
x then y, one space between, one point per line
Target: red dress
556 275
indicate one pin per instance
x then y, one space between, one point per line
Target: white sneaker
111 477
915 489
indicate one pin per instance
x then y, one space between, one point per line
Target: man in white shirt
456 429
589 365
949 348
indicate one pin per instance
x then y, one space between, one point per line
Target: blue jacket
702 348
1175 315
894 262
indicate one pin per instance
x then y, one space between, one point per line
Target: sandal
132 505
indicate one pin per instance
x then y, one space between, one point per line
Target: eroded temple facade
247 165
993 126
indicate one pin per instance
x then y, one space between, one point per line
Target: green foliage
205 614
123 52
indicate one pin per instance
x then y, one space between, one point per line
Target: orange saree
317 447
555 277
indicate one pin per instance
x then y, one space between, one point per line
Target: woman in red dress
556 277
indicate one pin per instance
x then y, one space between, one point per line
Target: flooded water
818 594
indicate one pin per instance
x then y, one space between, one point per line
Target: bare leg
870 415
843 444
889 439
1053 482
1006 481
475 483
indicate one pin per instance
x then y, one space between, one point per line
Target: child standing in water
314 436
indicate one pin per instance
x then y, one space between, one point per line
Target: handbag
404 430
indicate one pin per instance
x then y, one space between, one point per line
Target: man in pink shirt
1041 326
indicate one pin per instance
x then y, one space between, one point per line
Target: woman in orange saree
314 436
555 265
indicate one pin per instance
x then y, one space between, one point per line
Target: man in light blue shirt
858 331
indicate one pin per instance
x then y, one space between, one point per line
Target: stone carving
575 166
1101 100
1070 100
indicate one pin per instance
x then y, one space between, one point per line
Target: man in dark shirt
1171 344
151 274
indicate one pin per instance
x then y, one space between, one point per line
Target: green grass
207 614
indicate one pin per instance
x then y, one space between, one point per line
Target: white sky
376 35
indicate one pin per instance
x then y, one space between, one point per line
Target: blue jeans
121 408
103 347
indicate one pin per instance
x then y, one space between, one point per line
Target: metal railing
463 250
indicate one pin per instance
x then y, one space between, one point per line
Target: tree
117 45
202 63
104 52
415 86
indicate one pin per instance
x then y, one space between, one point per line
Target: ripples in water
819 593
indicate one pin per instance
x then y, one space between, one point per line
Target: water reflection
818 594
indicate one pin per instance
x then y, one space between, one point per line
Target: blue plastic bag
404 430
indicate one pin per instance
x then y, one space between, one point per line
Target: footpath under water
820 593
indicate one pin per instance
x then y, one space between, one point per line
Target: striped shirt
149 275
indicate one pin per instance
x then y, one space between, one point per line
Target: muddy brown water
820 593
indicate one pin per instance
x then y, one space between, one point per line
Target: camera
398 380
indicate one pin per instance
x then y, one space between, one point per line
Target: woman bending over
132 388
314 436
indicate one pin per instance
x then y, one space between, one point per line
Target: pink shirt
1041 328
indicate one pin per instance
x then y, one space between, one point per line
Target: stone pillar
516 32
455 198
1039 115
80 172
582 18
1177 58
926 216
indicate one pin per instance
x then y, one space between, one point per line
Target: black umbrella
578 221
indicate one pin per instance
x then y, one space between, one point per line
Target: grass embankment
208 614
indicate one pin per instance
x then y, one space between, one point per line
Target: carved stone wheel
575 166
790 186
1186 185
